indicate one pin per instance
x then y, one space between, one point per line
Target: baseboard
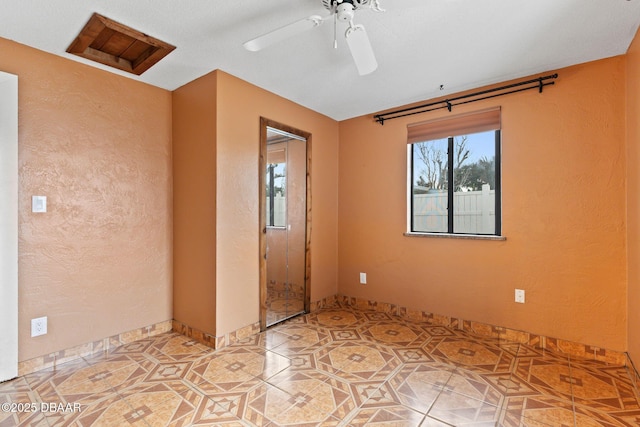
635 374
585 351
574 349
215 342
323 303
52 360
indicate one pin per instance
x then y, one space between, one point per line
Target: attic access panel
111 43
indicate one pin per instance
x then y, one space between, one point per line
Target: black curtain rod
538 83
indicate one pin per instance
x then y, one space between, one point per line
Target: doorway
8 226
285 222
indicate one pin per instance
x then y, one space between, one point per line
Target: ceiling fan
340 10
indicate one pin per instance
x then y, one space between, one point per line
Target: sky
479 145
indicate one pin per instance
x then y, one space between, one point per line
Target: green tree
474 175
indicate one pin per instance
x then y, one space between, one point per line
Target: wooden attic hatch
111 43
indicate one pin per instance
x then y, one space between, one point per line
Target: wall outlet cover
38 326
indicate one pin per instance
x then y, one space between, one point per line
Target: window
276 183
454 182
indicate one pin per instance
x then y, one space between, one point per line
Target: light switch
38 204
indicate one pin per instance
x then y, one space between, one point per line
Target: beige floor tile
388 416
461 410
335 367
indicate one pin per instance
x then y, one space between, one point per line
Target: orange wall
240 106
194 204
633 198
98 145
99 262
216 249
563 201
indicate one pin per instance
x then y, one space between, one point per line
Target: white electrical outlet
363 278
38 326
520 296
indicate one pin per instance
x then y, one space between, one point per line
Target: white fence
279 210
474 211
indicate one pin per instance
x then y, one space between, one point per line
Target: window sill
456 236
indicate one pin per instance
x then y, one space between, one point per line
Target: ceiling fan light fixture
345 12
361 49
340 10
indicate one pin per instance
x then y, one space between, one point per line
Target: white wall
8 226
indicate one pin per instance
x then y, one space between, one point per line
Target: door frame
264 123
8 226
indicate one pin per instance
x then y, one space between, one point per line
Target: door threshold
300 313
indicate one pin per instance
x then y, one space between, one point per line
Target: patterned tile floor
334 367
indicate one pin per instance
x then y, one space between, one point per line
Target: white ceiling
419 44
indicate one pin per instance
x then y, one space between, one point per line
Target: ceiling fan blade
283 33
361 49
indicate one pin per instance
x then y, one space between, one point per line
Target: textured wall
563 201
240 106
217 199
99 147
633 196
194 204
